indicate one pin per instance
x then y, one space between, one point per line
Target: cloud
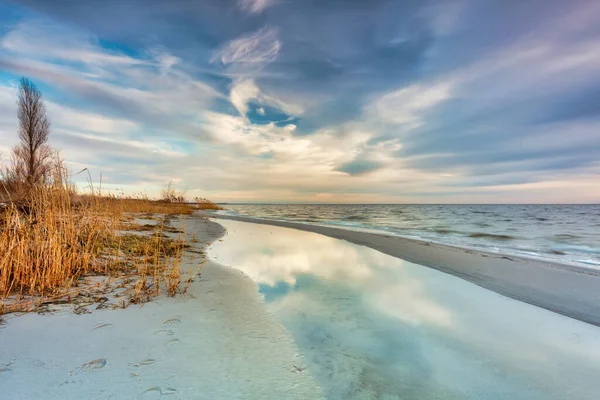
255 6
241 93
251 52
165 61
359 167
407 105
85 121
378 101
49 41
151 88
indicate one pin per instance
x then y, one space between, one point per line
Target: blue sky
466 101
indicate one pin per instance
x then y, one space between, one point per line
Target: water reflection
376 327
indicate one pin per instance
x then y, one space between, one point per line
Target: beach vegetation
55 240
205 204
169 194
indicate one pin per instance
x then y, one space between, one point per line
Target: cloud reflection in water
376 327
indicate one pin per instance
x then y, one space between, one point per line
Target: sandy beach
280 200
309 312
572 291
216 342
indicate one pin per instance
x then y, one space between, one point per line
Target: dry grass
48 243
131 205
205 204
53 239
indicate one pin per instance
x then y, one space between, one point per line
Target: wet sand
374 326
572 291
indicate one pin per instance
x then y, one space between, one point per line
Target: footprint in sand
172 342
99 326
157 392
172 321
152 393
6 366
94 365
168 391
165 332
147 361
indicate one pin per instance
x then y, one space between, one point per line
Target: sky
326 101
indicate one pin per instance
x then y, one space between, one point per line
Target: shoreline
576 265
569 290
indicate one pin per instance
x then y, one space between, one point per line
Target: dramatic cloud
326 101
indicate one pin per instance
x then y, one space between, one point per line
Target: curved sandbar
569 290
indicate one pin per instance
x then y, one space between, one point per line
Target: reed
205 204
52 238
49 242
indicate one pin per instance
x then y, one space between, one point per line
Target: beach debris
172 321
94 365
82 309
101 326
297 369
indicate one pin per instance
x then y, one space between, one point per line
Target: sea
563 233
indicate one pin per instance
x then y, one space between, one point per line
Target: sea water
372 326
564 233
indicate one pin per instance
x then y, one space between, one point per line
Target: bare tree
32 158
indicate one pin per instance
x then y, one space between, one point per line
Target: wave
580 249
558 252
355 218
565 236
445 231
589 262
483 235
294 215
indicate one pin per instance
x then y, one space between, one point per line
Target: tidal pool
372 326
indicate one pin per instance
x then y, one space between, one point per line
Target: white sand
216 343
